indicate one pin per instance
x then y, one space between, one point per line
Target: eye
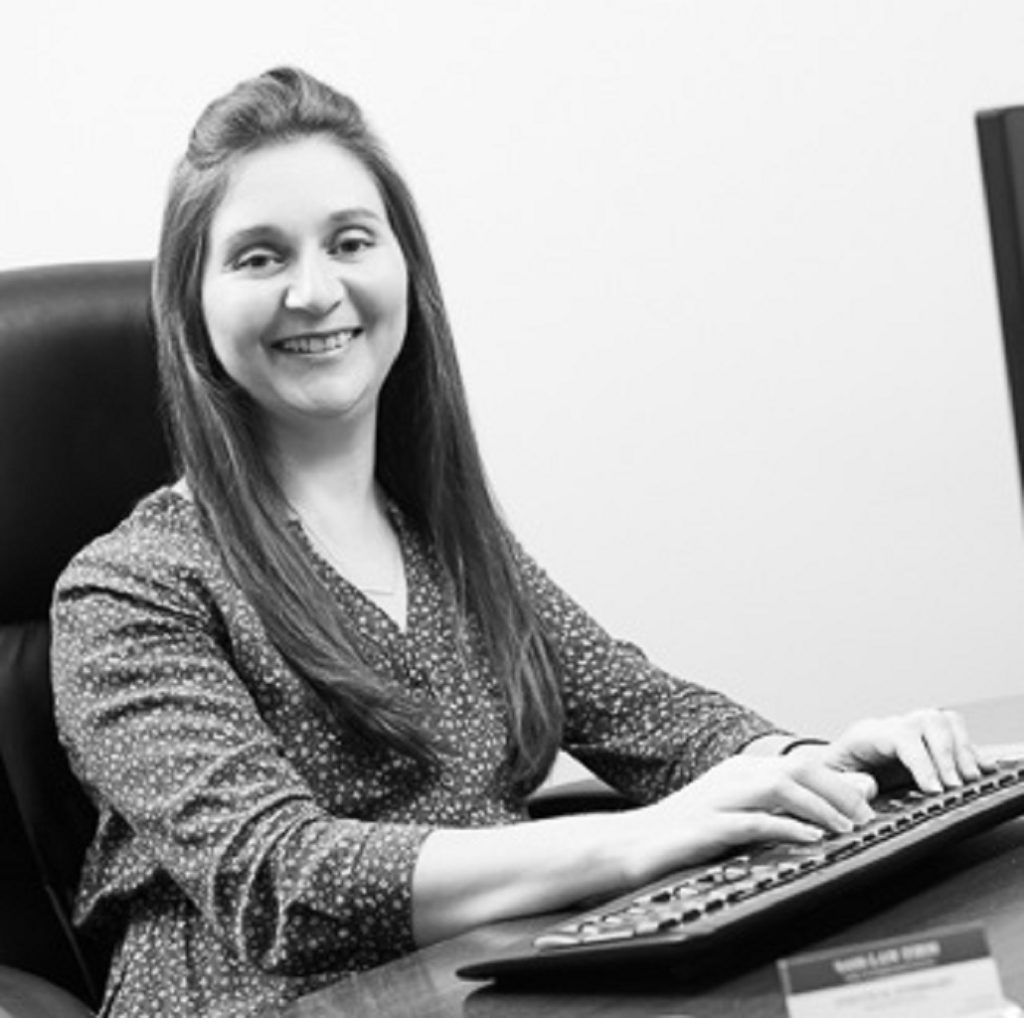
351 241
256 259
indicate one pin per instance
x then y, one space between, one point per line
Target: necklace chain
325 549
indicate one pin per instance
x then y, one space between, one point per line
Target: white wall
719 272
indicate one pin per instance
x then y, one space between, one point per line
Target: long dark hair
427 456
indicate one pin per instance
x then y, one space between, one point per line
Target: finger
988 758
751 827
851 792
940 741
865 784
912 752
987 761
866 744
715 833
835 800
805 806
967 759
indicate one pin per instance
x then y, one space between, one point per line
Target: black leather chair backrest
81 441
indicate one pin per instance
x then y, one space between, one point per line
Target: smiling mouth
317 342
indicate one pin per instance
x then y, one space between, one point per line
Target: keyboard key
737 869
547 941
601 936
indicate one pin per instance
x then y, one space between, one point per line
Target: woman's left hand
931 744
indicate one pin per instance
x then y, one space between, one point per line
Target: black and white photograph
511 508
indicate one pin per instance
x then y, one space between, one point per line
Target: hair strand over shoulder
428 460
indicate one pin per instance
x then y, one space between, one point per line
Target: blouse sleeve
640 729
163 733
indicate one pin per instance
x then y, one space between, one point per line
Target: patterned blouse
247 852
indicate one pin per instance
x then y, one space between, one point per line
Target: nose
314 286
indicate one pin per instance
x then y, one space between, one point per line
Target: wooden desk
979 880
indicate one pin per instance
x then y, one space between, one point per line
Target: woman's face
304 288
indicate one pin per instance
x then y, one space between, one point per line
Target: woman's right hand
741 801
465 877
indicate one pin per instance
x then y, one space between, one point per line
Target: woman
310 686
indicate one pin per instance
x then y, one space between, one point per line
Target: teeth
318 344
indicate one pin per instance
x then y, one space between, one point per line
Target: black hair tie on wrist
797 743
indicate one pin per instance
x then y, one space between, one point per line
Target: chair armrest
582 795
23 995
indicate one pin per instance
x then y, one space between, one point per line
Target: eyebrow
356 213
263 231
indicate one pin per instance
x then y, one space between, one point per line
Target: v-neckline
341 585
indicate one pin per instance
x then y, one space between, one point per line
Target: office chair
80 442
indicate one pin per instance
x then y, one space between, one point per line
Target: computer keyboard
686 919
